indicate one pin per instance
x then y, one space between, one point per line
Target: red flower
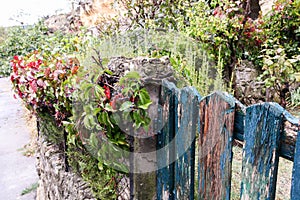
258 42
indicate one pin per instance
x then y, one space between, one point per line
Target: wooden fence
198 133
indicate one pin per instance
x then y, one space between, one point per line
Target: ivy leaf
144 99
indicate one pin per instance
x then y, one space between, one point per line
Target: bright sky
29 11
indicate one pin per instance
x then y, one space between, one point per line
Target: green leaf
126 105
93 141
108 72
89 121
129 75
144 96
109 108
145 106
96 111
100 166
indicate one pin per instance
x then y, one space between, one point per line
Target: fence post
263 125
144 163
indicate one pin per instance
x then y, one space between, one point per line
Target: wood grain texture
295 194
185 130
268 131
165 152
215 146
288 135
263 124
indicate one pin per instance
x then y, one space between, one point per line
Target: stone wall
54 182
249 90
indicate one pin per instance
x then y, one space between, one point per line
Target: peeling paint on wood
263 123
268 131
165 152
296 171
187 115
288 136
215 146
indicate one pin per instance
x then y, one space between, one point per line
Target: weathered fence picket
165 152
201 132
185 133
262 130
295 194
215 146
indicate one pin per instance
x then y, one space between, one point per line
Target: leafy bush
22 41
226 29
156 14
280 56
95 137
43 82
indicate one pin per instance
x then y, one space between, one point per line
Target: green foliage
188 57
295 98
278 68
22 41
281 51
102 181
156 14
97 139
225 27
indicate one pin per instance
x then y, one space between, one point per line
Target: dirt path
17 172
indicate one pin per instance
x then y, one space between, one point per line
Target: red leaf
41 83
33 85
107 92
47 72
74 69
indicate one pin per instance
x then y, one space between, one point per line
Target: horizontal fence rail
198 132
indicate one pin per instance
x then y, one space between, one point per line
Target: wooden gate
198 133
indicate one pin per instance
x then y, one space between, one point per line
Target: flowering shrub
226 29
43 82
280 55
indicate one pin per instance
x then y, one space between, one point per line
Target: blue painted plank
295 194
185 130
165 149
288 134
215 146
263 123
